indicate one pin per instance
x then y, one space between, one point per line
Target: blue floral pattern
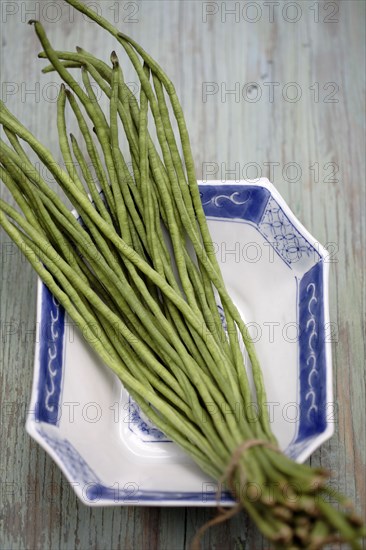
282 234
74 463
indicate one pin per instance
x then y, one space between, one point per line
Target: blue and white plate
277 275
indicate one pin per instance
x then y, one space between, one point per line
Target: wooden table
271 89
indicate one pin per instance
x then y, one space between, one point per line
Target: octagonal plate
277 275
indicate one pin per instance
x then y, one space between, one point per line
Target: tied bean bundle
140 275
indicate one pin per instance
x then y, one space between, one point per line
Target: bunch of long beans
139 275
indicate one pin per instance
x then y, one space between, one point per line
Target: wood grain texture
325 187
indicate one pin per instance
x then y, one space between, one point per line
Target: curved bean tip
114 59
62 87
79 49
33 21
